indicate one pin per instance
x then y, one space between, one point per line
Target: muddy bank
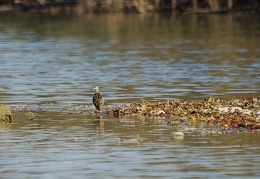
236 113
129 6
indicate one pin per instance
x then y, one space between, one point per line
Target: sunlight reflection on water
65 145
41 62
57 60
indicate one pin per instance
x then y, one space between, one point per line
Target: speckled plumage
97 100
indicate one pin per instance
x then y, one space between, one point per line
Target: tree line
136 6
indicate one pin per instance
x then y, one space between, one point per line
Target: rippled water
158 57
51 145
57 59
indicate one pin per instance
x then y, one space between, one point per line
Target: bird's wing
98 100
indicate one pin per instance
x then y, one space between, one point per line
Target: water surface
56 145
57 59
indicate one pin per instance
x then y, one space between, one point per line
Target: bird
97 100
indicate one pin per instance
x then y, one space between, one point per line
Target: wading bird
98 100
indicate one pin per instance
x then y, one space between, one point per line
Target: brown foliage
227 114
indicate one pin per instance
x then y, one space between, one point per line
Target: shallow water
57 59
51 145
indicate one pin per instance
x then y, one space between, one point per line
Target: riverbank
129 6
244 113
210 113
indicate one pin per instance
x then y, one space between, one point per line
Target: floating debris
225 114
210 113
178 135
